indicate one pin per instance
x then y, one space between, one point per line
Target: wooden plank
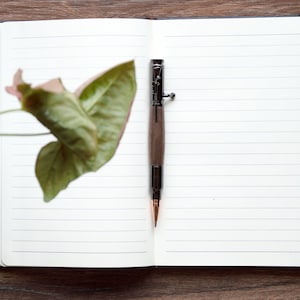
36 9
147 283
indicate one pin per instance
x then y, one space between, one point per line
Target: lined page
232 170
1 171
103 218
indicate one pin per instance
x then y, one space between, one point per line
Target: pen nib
155 210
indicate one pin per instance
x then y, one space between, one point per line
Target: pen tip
155 210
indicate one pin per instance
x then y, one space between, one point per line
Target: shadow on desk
150 283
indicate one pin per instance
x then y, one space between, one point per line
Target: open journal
231 192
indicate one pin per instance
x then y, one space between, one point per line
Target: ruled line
80 209
79 230
81 242
178 219
167 46
232 230
104 45
233 143
230 35
236 131
170 78
80 252
246 110
235 175
81 220
237 197
237 88
232 251
237 186
235 56
78 36
235 207
231 241
253 66
236 164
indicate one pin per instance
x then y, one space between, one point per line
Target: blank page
232 169
103 218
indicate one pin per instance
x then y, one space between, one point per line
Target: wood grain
54 9
148 283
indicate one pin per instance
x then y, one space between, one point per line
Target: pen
157 133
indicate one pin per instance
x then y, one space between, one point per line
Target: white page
1 171
103 219
232 168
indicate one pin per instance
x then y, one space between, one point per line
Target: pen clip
157 83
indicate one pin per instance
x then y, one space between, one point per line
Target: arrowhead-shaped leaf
88 126
107 100
56 167
63 114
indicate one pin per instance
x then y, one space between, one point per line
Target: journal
231 174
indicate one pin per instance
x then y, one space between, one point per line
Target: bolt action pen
157 133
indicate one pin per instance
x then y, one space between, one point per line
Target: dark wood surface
148 283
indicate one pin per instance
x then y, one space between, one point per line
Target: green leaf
63 114
88 128
56 166
107 100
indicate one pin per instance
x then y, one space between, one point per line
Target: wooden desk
148 283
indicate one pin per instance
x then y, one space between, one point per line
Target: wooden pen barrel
157 135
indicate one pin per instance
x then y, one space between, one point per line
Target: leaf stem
20 134
24 134
10 110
